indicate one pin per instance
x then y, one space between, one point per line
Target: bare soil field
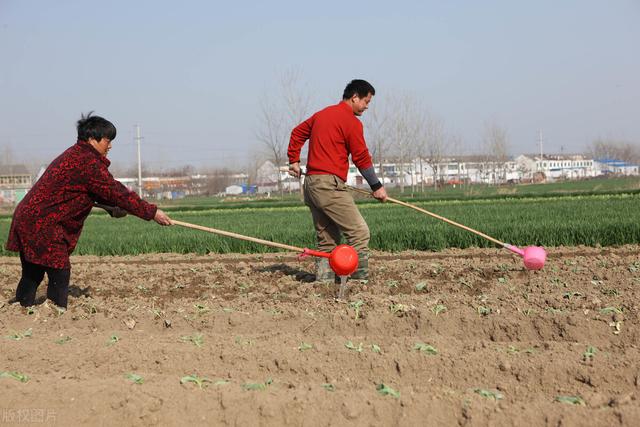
460 337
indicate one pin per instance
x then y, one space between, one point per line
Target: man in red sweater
47 223
334 134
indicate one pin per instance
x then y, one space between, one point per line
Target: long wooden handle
238 236
441 218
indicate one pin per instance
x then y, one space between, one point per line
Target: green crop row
565 221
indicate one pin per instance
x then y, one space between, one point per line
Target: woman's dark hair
95 127
362 88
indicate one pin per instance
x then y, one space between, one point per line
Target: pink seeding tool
343 259
534 256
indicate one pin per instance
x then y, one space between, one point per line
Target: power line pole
138 138
540 142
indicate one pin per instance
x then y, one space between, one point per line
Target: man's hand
294 169
380 194
162 218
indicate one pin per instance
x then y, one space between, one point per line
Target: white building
616 167
267 178
555 167
233 190
15 182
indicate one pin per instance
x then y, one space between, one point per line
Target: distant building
164 187
233 190
554 167
616 167
15 182
267 178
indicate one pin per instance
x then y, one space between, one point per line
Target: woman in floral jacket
48 221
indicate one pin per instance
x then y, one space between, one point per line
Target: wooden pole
441 218
238 236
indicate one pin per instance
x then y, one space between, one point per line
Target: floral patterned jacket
47 223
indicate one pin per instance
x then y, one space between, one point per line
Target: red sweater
48 221
333 134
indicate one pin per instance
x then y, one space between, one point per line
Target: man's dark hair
95 127
362 88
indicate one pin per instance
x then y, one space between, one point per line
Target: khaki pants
334 211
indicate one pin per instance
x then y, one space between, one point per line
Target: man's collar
346 106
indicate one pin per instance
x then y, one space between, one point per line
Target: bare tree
496 147
273 133
279 113
608 148
376 123
7 155
434 145
405 122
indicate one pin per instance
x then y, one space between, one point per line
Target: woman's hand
162 218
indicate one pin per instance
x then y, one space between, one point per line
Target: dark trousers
32 275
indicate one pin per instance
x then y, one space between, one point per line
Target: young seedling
425 348
515 350
257 386
588 355
30 310
89 309
439 309
350 346
356 305
221 382
305 346
392 284
195 339
569 295
63 340
399 308
436 269
610 292
512 349
572 400
495 395
135 378
385 390
243 342
200 382
502 280
157 312
244 287
421 286
201 309
15 375
376 348
610 310
17 336
465 282
556 281
329 387
113 340
483 311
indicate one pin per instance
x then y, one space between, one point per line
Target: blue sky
191 73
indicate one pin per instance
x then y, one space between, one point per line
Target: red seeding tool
343 259
534 256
